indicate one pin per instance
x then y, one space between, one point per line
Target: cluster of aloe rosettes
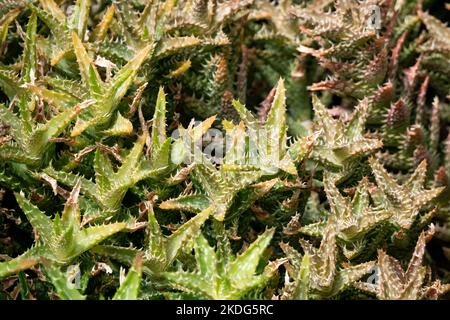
100 155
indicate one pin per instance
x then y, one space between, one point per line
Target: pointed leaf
206 259
70 217
59 280
89 237
301 291
29 72
186 232
54 127
23 262
88 71
40 222
159 121
80 17
122 80
244 266
129 289
99 32
121 127
276 119
191 203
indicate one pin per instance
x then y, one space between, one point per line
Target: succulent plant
220 275
315 274
59 240
213 148
396 284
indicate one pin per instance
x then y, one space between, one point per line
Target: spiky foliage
254 150
111 186
128 289
220 275
332 131
354 218
342 143
59 240
342 33
160 251
396 284
404 201
315 274
28 140
436 50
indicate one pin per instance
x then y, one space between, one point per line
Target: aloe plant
220 275
160 251
396 284
249 158
111 186
354 218
214 148
315 275
128 289
404 201
29 140
59 240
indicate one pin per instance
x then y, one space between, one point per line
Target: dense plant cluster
224 149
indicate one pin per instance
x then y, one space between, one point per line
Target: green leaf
206 258
191 203
121 127
116 89
129 289
52 8
40 222
103 173
70 217
40 137
187 231
244 266
5 22
14 124
80 17
86 238
64 289
9 82
159 121
218 277
23 262
29 70
88 71
70 179
60 100
276 119
301 291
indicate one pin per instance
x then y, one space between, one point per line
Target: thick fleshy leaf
26 261
64 289
190 203
86 238
276 119
80 17
406 200
88 71
219 277
187 231
54 127
38 219
121 127
244 266
129 289
159 121
29 68
99 32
